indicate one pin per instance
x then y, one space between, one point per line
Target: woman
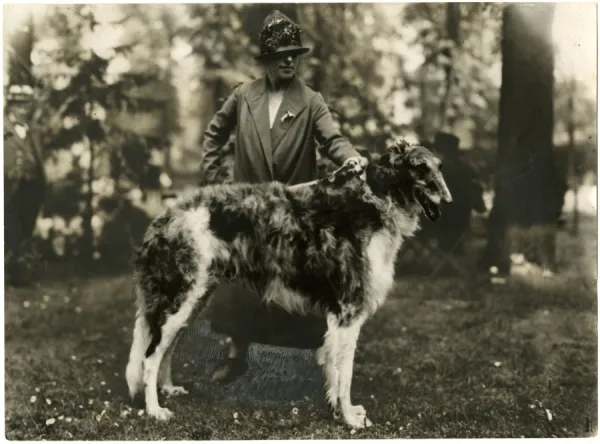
280 122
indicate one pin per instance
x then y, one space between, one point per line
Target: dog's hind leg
163 338
134 372
165 380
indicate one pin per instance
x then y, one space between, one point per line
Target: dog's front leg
354 415
327 357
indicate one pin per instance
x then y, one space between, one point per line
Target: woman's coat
285 153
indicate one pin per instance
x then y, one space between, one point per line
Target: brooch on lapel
287 115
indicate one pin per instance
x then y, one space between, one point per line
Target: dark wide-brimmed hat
278 36
447 144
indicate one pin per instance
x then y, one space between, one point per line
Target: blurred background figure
467 195
24 184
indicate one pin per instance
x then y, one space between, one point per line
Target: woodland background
124 92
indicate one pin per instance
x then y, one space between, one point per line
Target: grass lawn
443 358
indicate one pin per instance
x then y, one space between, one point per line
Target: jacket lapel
259 107
291 106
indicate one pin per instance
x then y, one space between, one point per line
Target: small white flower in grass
106 403
48 401
90 402
115 424
235 421
549 415
124 413
33 399
80 406
43 306
46 298
295 411
398 371
108 391
54 383
37 389
419 415
26 304
387 423
99 361
141 413
78 310
50 421
401 428
67 299
497 364
352 432
372 396
235 415
68 419
185 364
74 358
102 383
61 417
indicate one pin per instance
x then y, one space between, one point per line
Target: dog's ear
399 147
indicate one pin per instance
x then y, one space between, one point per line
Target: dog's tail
141 339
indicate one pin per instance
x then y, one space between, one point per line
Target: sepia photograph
300 221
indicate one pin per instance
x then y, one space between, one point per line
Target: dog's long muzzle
445 195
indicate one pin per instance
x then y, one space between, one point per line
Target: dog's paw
173 390
356 417
160 413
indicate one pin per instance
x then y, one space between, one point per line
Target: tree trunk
528 194
453 34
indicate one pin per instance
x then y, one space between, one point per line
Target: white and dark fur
327 246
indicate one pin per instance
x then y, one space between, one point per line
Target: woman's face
282 69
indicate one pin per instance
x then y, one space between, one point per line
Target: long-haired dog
327 246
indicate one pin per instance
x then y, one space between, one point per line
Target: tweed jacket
284 153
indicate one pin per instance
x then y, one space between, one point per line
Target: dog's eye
422 167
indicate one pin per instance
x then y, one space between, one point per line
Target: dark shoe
230 370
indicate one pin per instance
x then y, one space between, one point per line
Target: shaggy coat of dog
327 246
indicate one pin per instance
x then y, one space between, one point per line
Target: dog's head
417 171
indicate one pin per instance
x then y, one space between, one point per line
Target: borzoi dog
327 246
